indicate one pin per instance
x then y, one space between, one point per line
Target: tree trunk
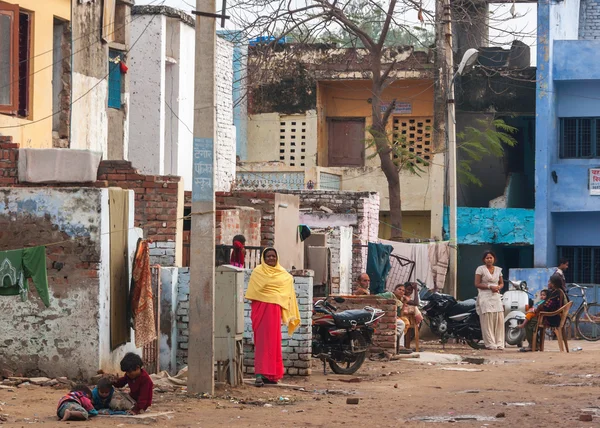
382 143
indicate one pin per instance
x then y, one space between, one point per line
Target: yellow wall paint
38 135
350 99
415 224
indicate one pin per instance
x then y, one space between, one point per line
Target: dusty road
543 389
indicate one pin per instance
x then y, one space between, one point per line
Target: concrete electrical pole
202 258
451 133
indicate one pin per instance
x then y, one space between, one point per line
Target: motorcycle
516 304
449 318
342 338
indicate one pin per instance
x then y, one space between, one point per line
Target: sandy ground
552 389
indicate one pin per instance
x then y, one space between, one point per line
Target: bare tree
371 26
369 23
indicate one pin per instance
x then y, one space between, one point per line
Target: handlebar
330 306
581 287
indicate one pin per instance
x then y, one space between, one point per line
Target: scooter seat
345 318
462 307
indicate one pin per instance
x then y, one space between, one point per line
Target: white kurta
487 301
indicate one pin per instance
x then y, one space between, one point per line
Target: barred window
579 137
584 264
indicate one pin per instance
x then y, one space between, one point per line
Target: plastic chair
560 331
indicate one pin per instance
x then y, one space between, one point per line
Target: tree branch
386 24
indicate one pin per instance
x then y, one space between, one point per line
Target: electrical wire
112 67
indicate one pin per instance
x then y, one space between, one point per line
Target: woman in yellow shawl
271 292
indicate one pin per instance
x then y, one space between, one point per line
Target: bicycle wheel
587 322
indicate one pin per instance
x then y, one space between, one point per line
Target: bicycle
587 315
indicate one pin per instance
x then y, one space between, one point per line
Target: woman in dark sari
556 300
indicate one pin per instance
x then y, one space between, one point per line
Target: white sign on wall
594 183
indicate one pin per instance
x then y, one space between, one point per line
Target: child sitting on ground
76 405
531 313
102 394
138 380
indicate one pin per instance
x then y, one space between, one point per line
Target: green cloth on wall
18 265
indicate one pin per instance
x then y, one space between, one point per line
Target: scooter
516 303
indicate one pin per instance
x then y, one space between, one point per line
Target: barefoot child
531 312
138 380
76 405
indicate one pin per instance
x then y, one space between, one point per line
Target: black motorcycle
342 338
448 318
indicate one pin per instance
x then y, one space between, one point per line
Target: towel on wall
16 266
58 165
378 266
142 298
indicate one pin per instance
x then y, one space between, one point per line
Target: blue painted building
240 111
567 212
498 215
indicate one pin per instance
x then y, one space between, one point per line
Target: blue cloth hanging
378 266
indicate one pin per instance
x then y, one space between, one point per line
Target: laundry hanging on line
16 266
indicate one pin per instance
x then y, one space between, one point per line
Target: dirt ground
542 389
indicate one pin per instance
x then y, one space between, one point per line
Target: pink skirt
266 324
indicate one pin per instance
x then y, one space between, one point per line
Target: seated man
402 322
363 283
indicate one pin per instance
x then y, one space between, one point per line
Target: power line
73 54
112 67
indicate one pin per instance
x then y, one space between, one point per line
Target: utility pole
202 258
451 133
438 167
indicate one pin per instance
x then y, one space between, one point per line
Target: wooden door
346 142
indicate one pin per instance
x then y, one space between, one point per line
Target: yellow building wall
38 135
415 224
351 99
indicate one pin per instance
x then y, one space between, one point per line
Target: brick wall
182 314
589 19
226 141
384 338
366 207
157 207
239 221
296 349
264 202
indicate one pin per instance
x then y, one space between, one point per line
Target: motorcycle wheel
357 359
475 343
513 336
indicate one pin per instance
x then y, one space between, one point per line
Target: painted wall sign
400 108
203 175
594 181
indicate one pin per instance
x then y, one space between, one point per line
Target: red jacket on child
140 390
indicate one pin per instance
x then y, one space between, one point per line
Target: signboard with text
202 175
594 183
399 108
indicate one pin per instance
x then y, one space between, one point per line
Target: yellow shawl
275 285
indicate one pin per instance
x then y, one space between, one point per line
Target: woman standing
271 292
488 280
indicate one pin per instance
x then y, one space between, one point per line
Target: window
114 78
579 137
415 135
584 264
15 45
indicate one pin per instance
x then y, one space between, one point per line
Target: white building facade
162 97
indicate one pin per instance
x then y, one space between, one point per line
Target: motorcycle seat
345 318
463 307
